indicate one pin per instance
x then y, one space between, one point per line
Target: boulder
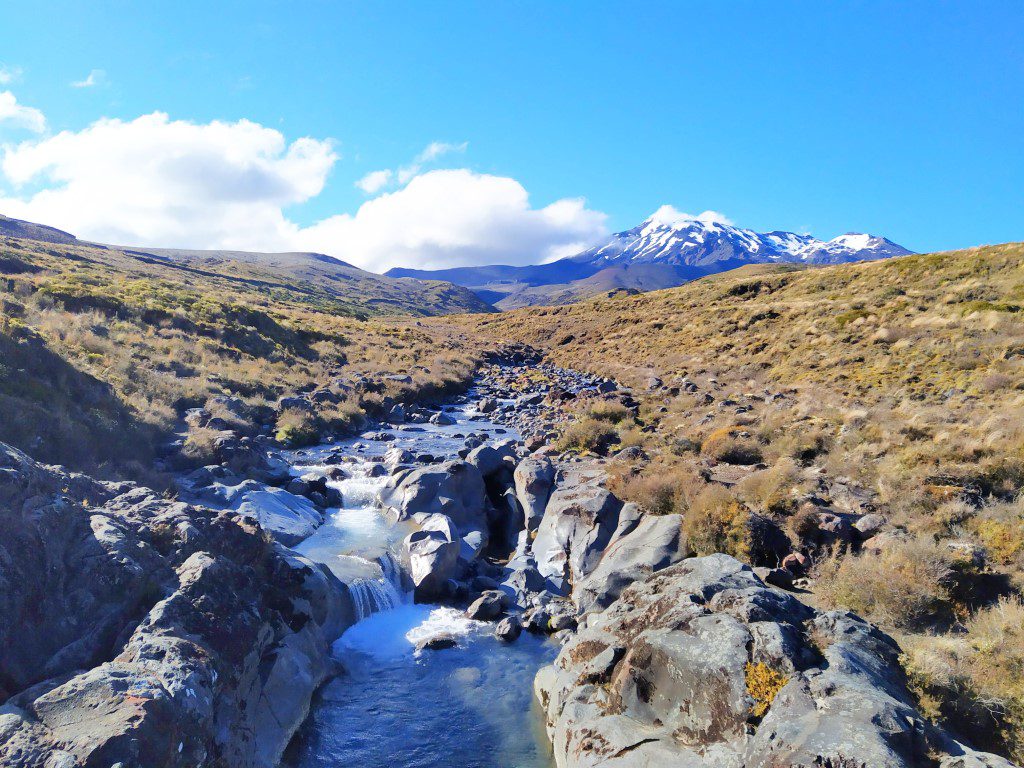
441 419
655 543
436 643
488 607
397 414
508 629
289 518
578 524
869 525
433 556
145 632
490 459
452 488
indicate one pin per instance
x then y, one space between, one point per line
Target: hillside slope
888 393
102 350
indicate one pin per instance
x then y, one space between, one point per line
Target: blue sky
902 119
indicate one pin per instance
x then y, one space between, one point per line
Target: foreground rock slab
702 664
150 633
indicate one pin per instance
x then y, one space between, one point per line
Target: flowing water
465 707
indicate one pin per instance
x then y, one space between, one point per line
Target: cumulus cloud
94 78
19 115
670 215
449 218
157 181
161 182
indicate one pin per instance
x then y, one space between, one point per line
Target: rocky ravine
142 632
667 660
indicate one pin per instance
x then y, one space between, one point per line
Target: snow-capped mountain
668 249
679 240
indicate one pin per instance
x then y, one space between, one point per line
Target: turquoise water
470 706
466 707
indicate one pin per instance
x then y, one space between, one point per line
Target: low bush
763 685
717 522
344 418
587 435
974 681
908 585
659 489
771 490
297 427
728 445
200 446
610 411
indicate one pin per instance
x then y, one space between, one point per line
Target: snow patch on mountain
670 236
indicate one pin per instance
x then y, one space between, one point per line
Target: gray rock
433 556
453 488
508 629
578 524
490 459
534 479
233 639
655 543
437 643
869 525
661 678
488 607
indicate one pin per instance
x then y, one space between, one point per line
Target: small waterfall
374 595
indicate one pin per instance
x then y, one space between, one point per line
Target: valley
417 511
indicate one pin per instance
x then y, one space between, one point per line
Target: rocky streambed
469 597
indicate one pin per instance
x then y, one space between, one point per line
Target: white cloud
155 181
449 218
9 74
161 182
94 78
436 149
375 181
669 215
19 115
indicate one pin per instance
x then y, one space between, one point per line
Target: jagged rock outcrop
147 632
647 544
534 478
702 664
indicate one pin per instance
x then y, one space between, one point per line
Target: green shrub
297 427
717 522
587 435
908 585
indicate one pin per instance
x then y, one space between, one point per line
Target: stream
470 706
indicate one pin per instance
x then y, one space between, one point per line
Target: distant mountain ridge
675 249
